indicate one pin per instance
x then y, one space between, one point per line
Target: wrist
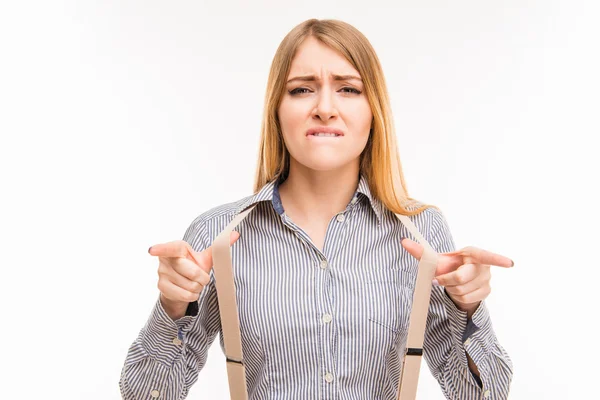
468 308
174 309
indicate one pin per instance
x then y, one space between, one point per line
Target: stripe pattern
319 324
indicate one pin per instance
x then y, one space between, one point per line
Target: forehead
314 57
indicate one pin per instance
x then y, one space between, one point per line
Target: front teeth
325 134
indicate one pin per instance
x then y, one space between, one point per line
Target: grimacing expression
333 97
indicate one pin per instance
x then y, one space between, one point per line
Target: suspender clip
233 361
412 351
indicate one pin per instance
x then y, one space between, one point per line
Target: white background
122 121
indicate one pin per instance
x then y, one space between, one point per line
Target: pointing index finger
182 249
487 257
176 248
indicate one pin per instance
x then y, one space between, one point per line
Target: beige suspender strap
407 388
222 269
236 373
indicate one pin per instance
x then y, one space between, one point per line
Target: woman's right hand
182 273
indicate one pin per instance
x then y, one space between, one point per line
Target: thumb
205 260
413 248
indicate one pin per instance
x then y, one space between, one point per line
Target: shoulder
225 210
429 221
208 223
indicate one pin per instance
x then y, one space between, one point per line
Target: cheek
360 129
288 123
357 115
291 114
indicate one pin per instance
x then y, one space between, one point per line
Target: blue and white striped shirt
328 324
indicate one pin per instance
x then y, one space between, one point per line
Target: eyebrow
312 78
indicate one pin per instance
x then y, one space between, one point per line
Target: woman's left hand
464 273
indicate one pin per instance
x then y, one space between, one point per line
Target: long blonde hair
380 160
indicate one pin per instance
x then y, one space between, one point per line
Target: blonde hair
380 160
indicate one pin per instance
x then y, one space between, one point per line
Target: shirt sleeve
450 336
165 359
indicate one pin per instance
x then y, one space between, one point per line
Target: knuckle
195 287
459 290
162 268
197 274
189 296
467 298
204 279
176 263
459 298
203 266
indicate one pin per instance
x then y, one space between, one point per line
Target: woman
323 287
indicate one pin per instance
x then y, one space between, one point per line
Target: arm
167 356
451 339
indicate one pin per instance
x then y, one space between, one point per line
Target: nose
325 108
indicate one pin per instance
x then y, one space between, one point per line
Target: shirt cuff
162 338
463 330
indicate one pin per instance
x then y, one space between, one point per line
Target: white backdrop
115 116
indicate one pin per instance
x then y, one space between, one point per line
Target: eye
346 89
352 90
297 90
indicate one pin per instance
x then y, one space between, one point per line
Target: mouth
320 135
324 132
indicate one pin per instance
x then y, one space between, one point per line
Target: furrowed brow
313 78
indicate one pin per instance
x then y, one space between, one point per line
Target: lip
324 129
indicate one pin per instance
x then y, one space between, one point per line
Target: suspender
236 372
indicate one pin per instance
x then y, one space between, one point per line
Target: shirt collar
270 192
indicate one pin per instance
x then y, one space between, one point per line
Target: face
333 98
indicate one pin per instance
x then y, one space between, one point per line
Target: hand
182 273
464 273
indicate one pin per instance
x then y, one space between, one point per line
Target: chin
330 164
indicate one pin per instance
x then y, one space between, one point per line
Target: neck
307 193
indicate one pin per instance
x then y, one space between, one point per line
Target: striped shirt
315 324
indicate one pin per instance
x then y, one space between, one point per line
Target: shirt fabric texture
314 324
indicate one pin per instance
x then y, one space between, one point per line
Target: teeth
325 134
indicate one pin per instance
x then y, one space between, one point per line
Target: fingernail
513 263
149 248
435 282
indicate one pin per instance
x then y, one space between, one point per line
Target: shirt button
328 377
486 394
327 318
354 200
155 394
176 341
323 264
341 217
468 342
